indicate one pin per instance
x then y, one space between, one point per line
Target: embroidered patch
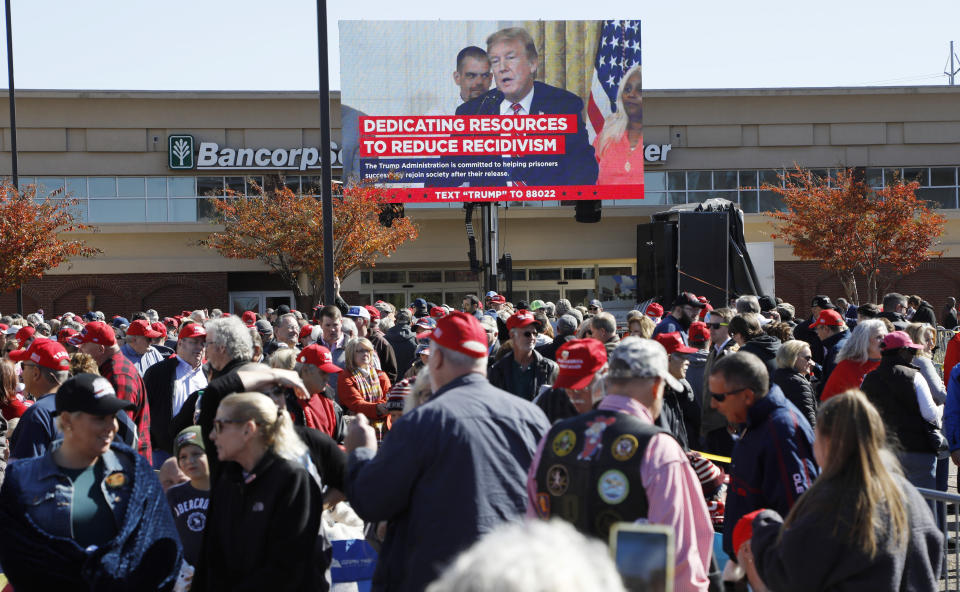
543 505
624 447
557 480
115 480
605 520
564 442
594 433
613 487
257 507
196 521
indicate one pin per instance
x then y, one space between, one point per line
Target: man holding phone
643 472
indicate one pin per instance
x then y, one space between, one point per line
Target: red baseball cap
374 312
894 340
159 327
64 335
673 343
143 328
460 332
319 356
706 308
654 310
743 531
579 360
438 312
3 327
306 330
698 332
192 331
249 318
499 299
828 318
171 321
25 333
521 318
95 332
44 352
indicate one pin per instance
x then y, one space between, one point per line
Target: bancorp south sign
209 156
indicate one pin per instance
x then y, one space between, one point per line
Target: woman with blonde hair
860 526
619 146
264 517
793 369
362 388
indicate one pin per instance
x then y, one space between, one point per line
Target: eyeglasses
532 333
721 397
592 308
716 325
219 423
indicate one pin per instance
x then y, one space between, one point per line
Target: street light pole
326 186
12 99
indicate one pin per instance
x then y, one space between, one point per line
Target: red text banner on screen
489 194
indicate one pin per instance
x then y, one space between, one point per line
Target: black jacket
263 532
899 321
925 314
764 347
798 391
950 319
388 359
158 380
891 389
404 343
803 332
556 405
222 383
501 374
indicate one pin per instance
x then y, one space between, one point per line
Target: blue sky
255 45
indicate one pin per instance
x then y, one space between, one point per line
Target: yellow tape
716 458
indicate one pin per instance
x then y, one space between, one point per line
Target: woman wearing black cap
89 512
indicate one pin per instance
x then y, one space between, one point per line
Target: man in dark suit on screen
513 60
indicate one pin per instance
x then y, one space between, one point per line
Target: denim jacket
46 493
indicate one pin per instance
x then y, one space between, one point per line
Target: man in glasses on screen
773 461
524 370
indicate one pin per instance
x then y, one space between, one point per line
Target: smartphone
644 555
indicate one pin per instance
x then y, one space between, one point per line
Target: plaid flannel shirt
129 386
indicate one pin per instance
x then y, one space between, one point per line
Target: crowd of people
199 451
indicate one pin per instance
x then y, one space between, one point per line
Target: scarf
369 384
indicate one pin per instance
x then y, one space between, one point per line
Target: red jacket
847 375
952 355
351 396
319 414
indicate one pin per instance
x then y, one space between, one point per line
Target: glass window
26 181
388 277
652 198
748 202
364 277
578 296
156 210
311 184
131 187
103 187
939 198
415 277
890 175
183 210
47 185
206 211
209 185
919 175
77 186
182 187
459 275
655 180
398 299
943 176
821 175
769 177
430 297
156 186
724 179
748 179
118 210
545 274
545 295
455 299
770 201
293 183
676 180
578 273
519 275
874 177
677 197
698 180
236 184
618 285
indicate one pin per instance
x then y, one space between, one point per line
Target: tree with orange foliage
284 230
854 230
30 229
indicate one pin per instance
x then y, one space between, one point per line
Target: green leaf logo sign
180 153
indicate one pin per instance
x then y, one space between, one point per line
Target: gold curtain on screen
567 50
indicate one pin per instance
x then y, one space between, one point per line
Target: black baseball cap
91 394
687 299
822 302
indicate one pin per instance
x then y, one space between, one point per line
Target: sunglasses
219 423
592 308
533 333
721 397
716 325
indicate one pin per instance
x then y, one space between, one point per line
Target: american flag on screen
619 50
